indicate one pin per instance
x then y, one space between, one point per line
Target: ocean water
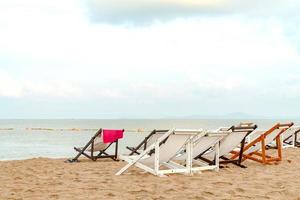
23 139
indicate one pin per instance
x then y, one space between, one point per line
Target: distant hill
235 115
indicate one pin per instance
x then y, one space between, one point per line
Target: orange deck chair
256 149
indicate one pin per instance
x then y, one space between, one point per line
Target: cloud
144 11
11 87
180 62
222 55
8 86
53 89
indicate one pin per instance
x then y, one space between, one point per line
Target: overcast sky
149 58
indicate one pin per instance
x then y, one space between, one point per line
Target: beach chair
256 149
290 137
157 162
148 140
200 144
235 136
241 124
100 143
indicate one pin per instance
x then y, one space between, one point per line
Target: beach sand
44 178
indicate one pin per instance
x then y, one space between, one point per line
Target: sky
149 59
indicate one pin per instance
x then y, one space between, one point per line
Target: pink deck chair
99 143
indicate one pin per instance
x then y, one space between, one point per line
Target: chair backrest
154 137
231 141
98 146
176 140
268 139
234 136
269 135
148 140
288 134
206 142
202 143
98 142
227 143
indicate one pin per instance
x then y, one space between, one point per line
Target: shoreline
137 130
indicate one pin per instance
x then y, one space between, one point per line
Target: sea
34 138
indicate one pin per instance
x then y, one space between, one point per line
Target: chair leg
116 150
81 151
103 154
297 144
279 148
263 151
239 161
92 151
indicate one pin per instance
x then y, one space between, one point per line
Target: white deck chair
201 145
235 136
148 140
177 138
289 137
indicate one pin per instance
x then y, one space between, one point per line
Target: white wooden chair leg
189 161
123 169
156 160
217 156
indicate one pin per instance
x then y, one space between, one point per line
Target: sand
44 178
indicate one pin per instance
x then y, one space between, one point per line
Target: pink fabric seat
112 135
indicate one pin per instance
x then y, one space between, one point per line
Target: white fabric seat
163 153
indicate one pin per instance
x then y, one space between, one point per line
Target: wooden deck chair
241 124
148 140
290 137
97 145
210 140
235 136
163 152
297 143
256 149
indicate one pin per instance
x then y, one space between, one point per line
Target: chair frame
261 155
101 154
144 142
243 127
173 167
297 144
294 142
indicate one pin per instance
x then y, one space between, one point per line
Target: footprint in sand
137 191
170 190
199 198
206 193
222 183
30 190
93 188
111 194
18 178
240 190
158 198
56 196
